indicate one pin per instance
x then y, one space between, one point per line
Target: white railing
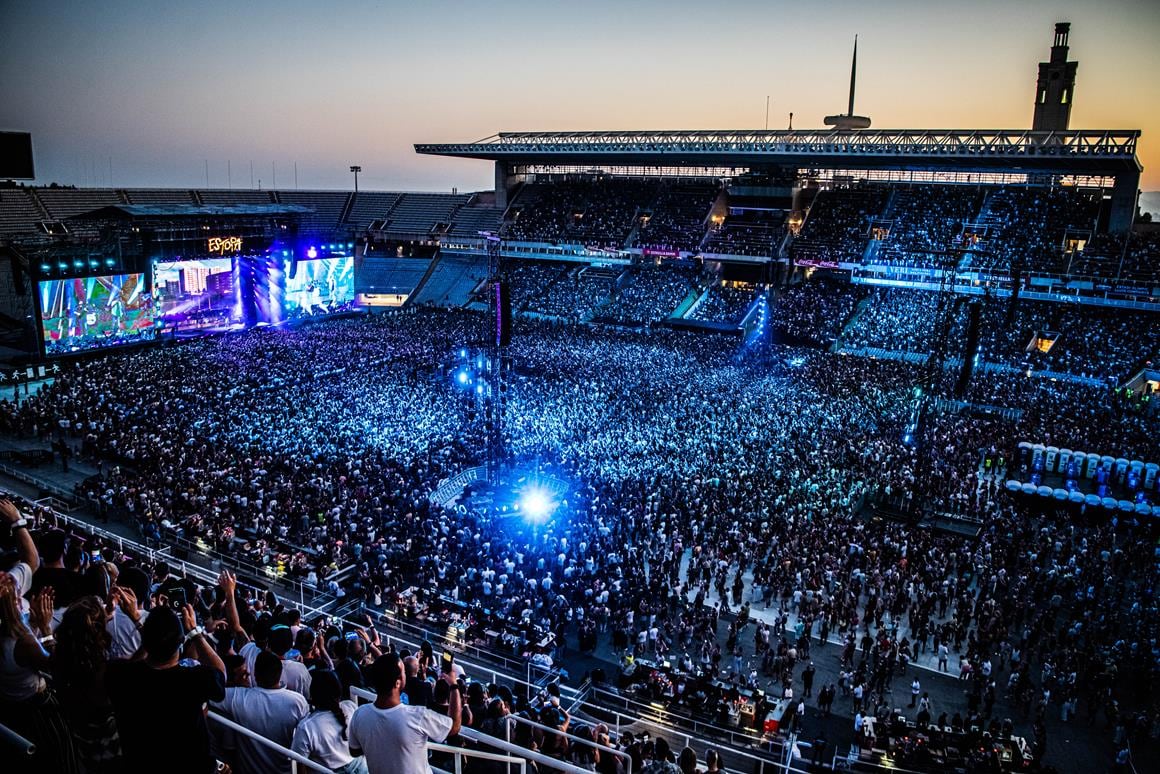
11 739
302 763
604 749
297 762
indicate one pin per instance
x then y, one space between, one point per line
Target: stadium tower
1055 89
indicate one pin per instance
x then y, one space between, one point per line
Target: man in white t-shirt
393 736
268 710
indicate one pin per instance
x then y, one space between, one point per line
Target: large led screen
196 294
91 312
321 286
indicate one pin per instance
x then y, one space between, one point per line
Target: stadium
793 450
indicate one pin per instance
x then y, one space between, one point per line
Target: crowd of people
677 220
724 303
651 294
838 224
594 212
924 218
817 312
575 296
1077 339
748 232
704 483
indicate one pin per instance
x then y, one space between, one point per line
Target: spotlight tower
496 336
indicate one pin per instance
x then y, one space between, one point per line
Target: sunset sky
144 93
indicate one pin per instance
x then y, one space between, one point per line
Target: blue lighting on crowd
463 377
312 253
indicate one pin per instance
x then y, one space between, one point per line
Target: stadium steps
859 309
888 211
346 208
38 203
423 280
700 299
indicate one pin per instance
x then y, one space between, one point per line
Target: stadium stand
159 196
595 212
837 225
234 196
451 281
390 275
530 279
1027 226
469 220
64 203
370 206
677 219
422 215
576 295
923 218
724 304
327 205
816 311
19 212
650 294
1114 257
747 232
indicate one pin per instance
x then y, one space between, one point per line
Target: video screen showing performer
91 312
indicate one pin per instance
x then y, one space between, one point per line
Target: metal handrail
462 752
654 711
10 738
603 748
467 732
296 759
501 744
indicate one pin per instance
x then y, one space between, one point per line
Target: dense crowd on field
705 481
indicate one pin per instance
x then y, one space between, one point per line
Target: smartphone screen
448 662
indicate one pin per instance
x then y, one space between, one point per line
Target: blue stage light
479 389
462 377
536 504
311 253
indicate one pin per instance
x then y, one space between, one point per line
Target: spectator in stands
295 675
392 735
27 704
323 735
270 710
129 613
65 582
158 701
419 690
79 666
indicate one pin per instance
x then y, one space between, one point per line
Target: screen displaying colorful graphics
91 312
321 286
196 294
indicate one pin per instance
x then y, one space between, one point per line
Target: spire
853 76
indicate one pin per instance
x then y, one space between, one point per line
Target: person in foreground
393 736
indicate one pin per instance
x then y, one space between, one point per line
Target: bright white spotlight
463 377
536 504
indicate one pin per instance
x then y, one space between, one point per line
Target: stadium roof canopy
1079 152
171 211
